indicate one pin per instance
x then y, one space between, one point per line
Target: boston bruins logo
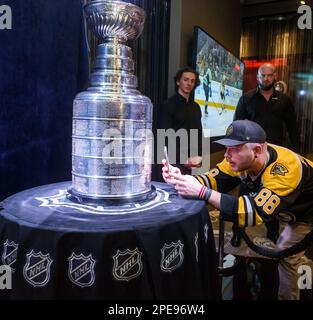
229 130
279 169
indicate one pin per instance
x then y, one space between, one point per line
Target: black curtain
43 63
152 51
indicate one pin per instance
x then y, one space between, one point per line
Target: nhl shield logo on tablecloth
37 268
9 254
81 270
172 256
127 264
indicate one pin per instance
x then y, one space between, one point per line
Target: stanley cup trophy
112 121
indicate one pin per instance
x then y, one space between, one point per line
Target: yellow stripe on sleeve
212 181
200 180
241 212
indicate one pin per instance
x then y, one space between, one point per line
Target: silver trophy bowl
112 122
114 19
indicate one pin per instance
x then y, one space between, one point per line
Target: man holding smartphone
276 185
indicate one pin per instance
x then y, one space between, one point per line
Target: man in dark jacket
183 115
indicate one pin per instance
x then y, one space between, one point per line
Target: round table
58 249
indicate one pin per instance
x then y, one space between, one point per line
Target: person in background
181 112
271 109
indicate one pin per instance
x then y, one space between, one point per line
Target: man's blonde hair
252 145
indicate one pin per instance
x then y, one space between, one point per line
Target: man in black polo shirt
271 110
181 112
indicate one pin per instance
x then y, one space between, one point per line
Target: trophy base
74 196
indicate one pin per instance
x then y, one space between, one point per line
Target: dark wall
43 63
221 19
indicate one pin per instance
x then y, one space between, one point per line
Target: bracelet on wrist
207 194
202 192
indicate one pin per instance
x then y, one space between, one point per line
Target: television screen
221 77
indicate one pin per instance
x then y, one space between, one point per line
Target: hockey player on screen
207 88
222 93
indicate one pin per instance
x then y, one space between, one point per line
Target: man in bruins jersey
276 182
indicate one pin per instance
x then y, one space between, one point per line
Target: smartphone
166 158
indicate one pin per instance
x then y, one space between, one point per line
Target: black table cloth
58 249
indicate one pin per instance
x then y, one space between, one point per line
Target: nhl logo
127 264
9 254
81 270
172 256
37 268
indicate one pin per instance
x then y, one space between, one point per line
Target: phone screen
166 158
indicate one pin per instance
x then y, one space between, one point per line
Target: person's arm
241 111
221 178
244 210
291 124
200 187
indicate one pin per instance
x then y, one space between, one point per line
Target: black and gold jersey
283 190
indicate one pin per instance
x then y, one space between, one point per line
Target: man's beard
266 88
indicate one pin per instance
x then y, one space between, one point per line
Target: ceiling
259 2
257 8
